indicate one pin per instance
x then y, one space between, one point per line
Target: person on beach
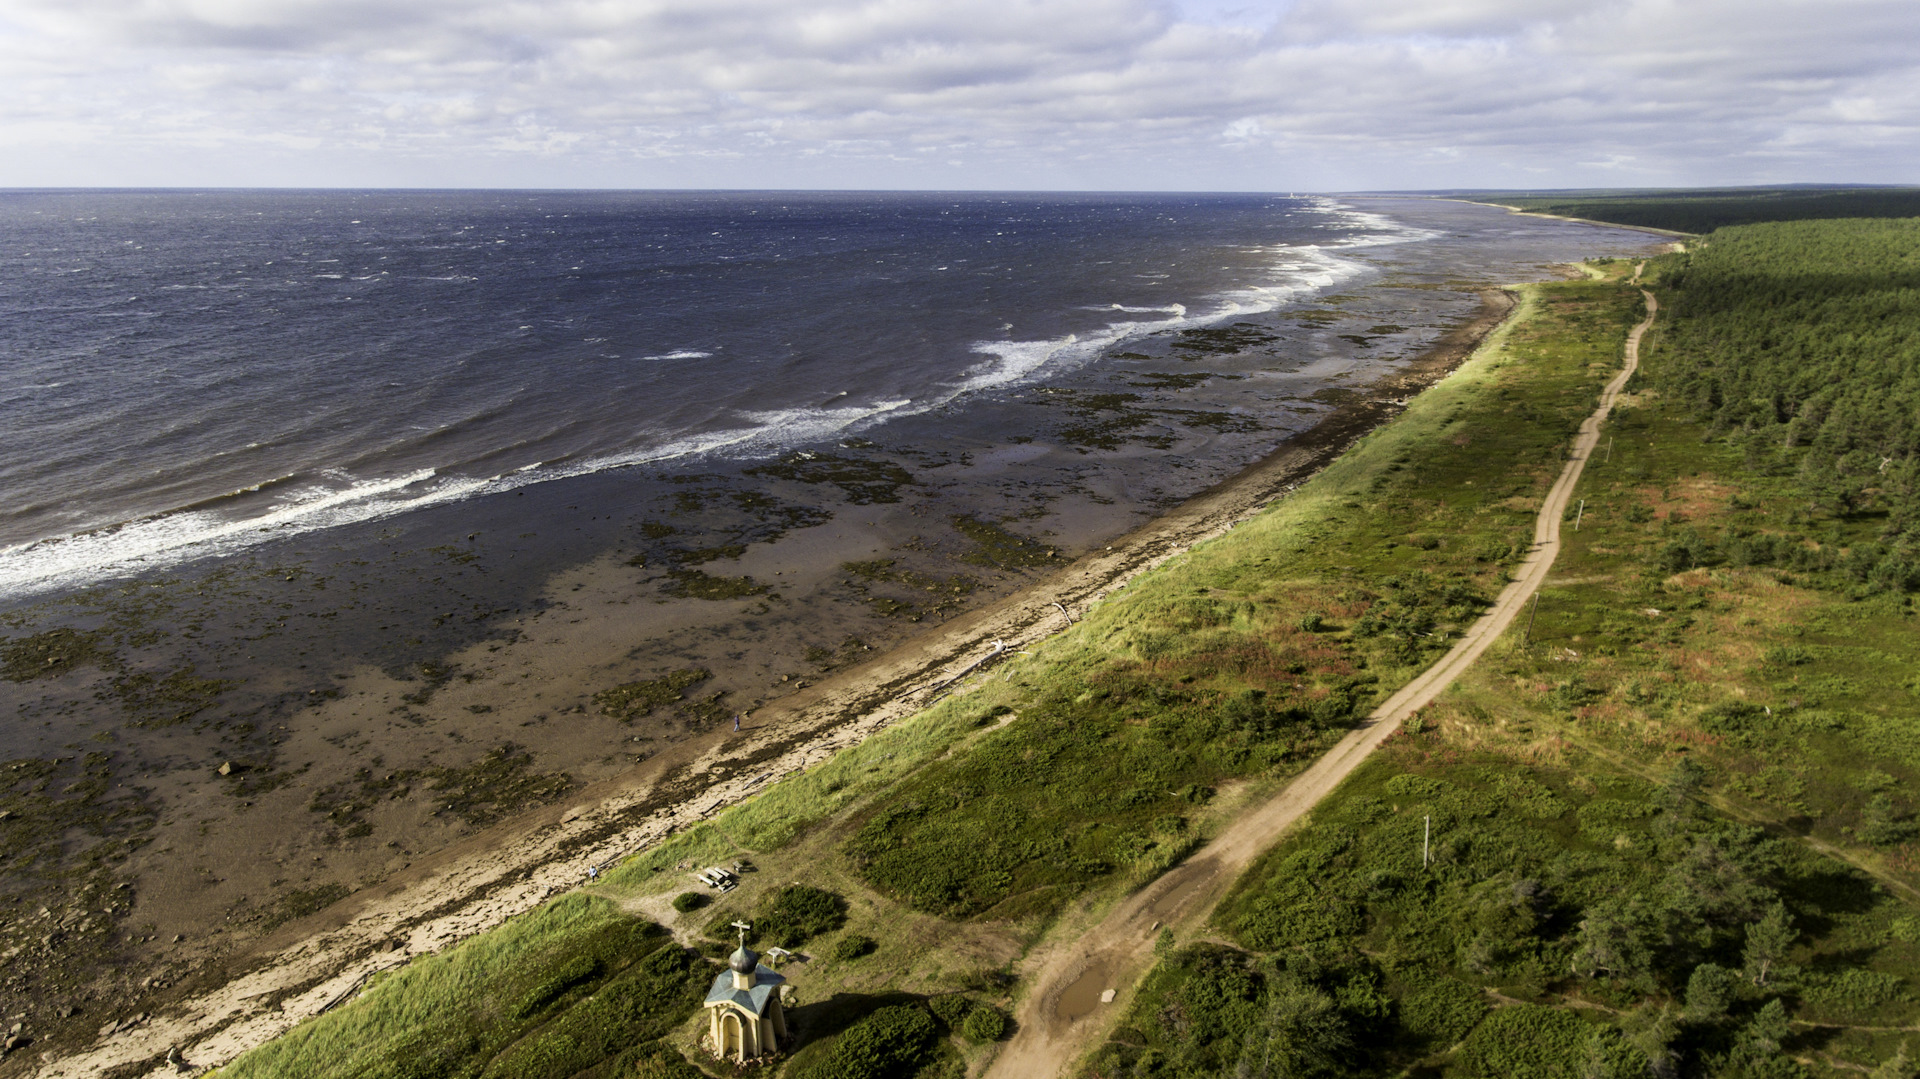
736 721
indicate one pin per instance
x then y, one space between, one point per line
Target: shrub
951 1009
1526 1041
797 913
785 918
1442 1010
854 945
1853 992
688 901
984 1024
891 1041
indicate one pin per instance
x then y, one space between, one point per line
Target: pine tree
1767 942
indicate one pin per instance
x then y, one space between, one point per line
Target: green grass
1231 665
1713 697
1248 657
569 986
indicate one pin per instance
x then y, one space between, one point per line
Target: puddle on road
1192 877
1082 996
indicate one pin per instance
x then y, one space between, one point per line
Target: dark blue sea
189 374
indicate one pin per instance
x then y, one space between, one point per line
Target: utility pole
1426 845
1581 512
1531 615
1609 449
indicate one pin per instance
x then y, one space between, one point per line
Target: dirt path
315 964
1060 1020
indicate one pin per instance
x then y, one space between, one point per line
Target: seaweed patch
633 700
997 547
944 593
495 786
51 654
163 702
1222 340
863 481
695 584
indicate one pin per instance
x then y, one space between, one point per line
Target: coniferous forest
1799 342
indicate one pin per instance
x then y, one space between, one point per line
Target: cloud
1010 93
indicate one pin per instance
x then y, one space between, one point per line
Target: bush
1442 1011
951 1009
689 901
891 1041
796 914
854 945
1526 1041
984 1024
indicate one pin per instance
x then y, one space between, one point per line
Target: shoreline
1670 233
481 881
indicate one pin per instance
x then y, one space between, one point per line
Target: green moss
787 917
345 803
939 594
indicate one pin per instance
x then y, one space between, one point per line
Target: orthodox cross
742 927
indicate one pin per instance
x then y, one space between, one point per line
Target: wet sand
231 983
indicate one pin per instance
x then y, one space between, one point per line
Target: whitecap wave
680 354
167 540
1164 309
1295 271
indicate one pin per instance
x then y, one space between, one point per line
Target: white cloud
1020 93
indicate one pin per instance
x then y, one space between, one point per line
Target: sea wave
337 498
169 539
1295 271
289 505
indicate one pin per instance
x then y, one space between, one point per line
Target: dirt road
1061 1019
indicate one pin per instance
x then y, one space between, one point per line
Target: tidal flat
201 763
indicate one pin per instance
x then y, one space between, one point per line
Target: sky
1240 95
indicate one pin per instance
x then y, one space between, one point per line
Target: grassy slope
1560 811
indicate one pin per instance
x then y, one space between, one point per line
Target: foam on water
1295 272
168 540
